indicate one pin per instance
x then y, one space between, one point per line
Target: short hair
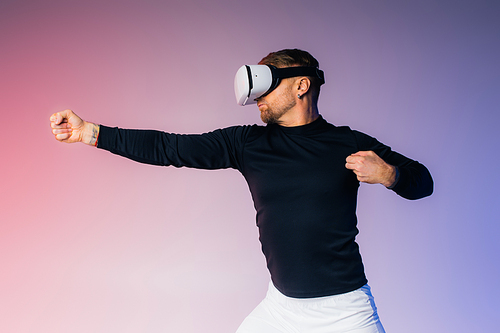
292 58
289 58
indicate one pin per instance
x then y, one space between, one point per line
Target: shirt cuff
396 180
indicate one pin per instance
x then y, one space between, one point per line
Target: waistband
273 294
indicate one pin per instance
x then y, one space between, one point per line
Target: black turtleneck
304 196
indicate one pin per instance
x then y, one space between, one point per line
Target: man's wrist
91 134
395 179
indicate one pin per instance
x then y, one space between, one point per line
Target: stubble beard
274 111
269 116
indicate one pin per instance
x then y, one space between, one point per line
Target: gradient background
92 242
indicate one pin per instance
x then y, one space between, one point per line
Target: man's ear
303 85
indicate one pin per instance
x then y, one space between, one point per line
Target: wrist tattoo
95 135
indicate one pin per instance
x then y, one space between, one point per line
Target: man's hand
68 127
371 169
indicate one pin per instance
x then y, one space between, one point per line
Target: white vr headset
254 81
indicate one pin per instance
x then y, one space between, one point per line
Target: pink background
92 242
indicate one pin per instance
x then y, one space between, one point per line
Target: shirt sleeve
415 180
219 149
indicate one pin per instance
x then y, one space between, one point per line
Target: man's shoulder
346 129
340 129
242 129
237 133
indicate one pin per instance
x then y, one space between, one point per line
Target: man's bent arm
415 181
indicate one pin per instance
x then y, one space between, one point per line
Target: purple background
91 242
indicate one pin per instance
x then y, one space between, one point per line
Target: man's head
293 58
294 97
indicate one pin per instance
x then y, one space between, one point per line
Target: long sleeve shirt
304 196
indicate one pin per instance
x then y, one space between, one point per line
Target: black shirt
304 195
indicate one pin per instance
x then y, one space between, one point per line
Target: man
303 174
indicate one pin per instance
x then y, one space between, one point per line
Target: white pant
352 312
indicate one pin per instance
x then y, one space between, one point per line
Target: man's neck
299 116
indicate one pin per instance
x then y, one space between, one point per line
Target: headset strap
287 72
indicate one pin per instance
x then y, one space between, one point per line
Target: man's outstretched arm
68 127
218 149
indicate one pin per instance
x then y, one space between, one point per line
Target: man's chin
272 116
266 118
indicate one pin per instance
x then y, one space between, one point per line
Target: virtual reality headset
254 81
